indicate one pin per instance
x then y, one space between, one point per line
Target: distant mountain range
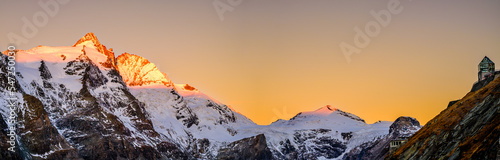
82 102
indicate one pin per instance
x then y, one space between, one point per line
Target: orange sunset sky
272 59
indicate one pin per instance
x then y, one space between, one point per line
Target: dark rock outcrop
227 114
183 112
251 148
313 143
369 151
451 103
403 126
480 84
93 77
44 71
77 66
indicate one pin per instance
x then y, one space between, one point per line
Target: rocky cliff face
468 129
34 122
404 127
480 84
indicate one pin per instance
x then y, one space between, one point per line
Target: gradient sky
271 59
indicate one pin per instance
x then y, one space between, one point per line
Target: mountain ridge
125 108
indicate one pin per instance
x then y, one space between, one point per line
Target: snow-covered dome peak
324 117
329 111
323 110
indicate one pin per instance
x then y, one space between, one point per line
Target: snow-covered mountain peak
324 117
326 110
90 40
138 71
332 111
